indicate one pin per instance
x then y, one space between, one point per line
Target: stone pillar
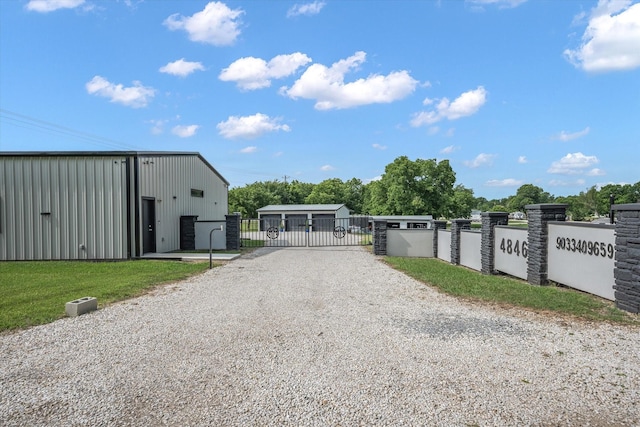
188 232
457 225
379 237
537 259
487 247
233 231
437 225
627 267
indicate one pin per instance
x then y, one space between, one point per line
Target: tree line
420 187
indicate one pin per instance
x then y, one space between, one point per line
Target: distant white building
406 221
299 217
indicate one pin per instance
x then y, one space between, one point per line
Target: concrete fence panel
444 245
582 256
511 250
470 249
219 238
410 242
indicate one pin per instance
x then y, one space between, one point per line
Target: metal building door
148 225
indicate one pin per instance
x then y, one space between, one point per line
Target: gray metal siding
169 180
50 206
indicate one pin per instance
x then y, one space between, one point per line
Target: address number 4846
514 247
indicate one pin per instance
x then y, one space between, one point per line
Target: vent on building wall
197 193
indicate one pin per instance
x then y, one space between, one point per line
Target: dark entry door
148 225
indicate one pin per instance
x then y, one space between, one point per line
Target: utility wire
32 123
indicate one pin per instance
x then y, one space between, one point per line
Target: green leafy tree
528 194
622 194
417 187
577 209
248 199
462 202
298 191
326 192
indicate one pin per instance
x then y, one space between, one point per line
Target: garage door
296 222
323 222
271 220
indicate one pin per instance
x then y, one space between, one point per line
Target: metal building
296 217
103 205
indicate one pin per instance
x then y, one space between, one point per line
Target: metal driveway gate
296 232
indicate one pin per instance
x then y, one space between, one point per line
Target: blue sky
511 92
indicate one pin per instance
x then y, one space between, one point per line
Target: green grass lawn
35 292
464 283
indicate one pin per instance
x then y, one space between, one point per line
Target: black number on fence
517 247
585 247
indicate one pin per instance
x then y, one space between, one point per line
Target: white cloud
216 24
450 149
562 183
375 178
523 160
611 41
596 172
572 164
564 136
379 147
249 150
326 85
185 131
502 4
508 182
135 96
255 73
465 105
157 126
481 159
45 6
307 9
327 168
250 127
181 67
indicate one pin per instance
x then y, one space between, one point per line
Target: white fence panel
219 238
410 243
470 244
444 245
510 254
583 257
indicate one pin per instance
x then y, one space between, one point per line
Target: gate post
233 232
457 225
538 236
626 272
487 246
379 237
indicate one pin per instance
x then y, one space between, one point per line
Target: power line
32 123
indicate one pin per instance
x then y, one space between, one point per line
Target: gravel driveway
320 337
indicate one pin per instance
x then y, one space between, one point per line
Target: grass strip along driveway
35 292
464 283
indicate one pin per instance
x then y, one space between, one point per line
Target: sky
510 92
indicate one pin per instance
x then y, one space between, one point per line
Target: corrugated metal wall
63 207
169 180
